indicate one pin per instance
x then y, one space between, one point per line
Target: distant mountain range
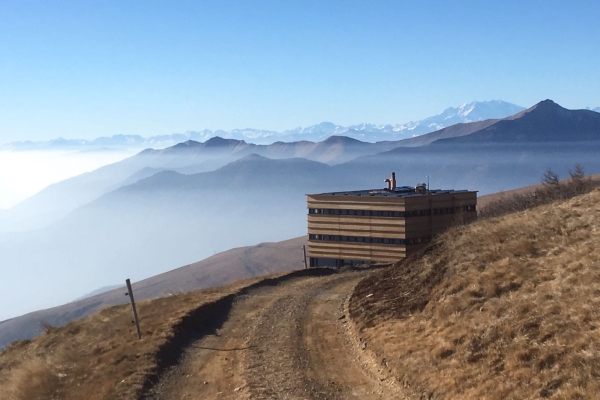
468 112
545 122
163 208
471 112
189 157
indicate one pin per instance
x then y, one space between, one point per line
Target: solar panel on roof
402 191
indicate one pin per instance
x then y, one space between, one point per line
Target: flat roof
400 191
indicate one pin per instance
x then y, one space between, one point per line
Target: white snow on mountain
468 112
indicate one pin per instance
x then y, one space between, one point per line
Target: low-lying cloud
24 173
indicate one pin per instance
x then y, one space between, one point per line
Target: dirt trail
289 341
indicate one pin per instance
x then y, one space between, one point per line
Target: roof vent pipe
391 182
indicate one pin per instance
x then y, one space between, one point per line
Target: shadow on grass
206 320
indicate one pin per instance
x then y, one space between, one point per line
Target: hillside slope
503 308
500 309
458 130
220 269
544 122
99 357
57 200
485 200
277 337
157 224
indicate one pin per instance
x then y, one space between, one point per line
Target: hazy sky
83 69
22 174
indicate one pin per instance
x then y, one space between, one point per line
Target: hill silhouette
163 221
543 123
162 217
500 308
453 131
189 157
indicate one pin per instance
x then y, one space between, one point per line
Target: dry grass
498 204
505 308
99 357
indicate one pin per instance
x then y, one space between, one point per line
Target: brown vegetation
221 269
550 190
504 308
99 357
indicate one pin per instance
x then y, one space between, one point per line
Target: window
391 214
365 239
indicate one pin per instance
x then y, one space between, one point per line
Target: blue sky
82 69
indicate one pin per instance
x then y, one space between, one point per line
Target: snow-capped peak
467 112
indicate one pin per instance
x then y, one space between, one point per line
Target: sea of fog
169 220
24 173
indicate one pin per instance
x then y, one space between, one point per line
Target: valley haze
161 209
175 143
41 163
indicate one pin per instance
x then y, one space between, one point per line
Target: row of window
333 263
363 213
362 239
395 214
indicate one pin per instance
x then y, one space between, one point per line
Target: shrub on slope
550 190
503 308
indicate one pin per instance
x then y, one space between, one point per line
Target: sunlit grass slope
505 308
100 357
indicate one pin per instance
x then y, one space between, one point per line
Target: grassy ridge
98 357
502 308
505 308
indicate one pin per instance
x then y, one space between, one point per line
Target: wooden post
135 316
304 251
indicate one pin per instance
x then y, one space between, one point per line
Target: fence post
304 251
135 316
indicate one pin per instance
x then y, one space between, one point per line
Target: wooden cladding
367 239
349 226
381 229
356 251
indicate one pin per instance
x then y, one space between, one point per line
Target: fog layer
167 219
24 173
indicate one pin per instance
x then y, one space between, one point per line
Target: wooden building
381 225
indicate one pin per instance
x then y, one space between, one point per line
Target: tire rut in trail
202 325
300 346
275 369
284 341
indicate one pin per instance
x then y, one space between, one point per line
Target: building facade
381 225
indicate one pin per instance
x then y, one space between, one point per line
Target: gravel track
288 341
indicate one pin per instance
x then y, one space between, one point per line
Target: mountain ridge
190 157
185 157
467 112
155 218
545 121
